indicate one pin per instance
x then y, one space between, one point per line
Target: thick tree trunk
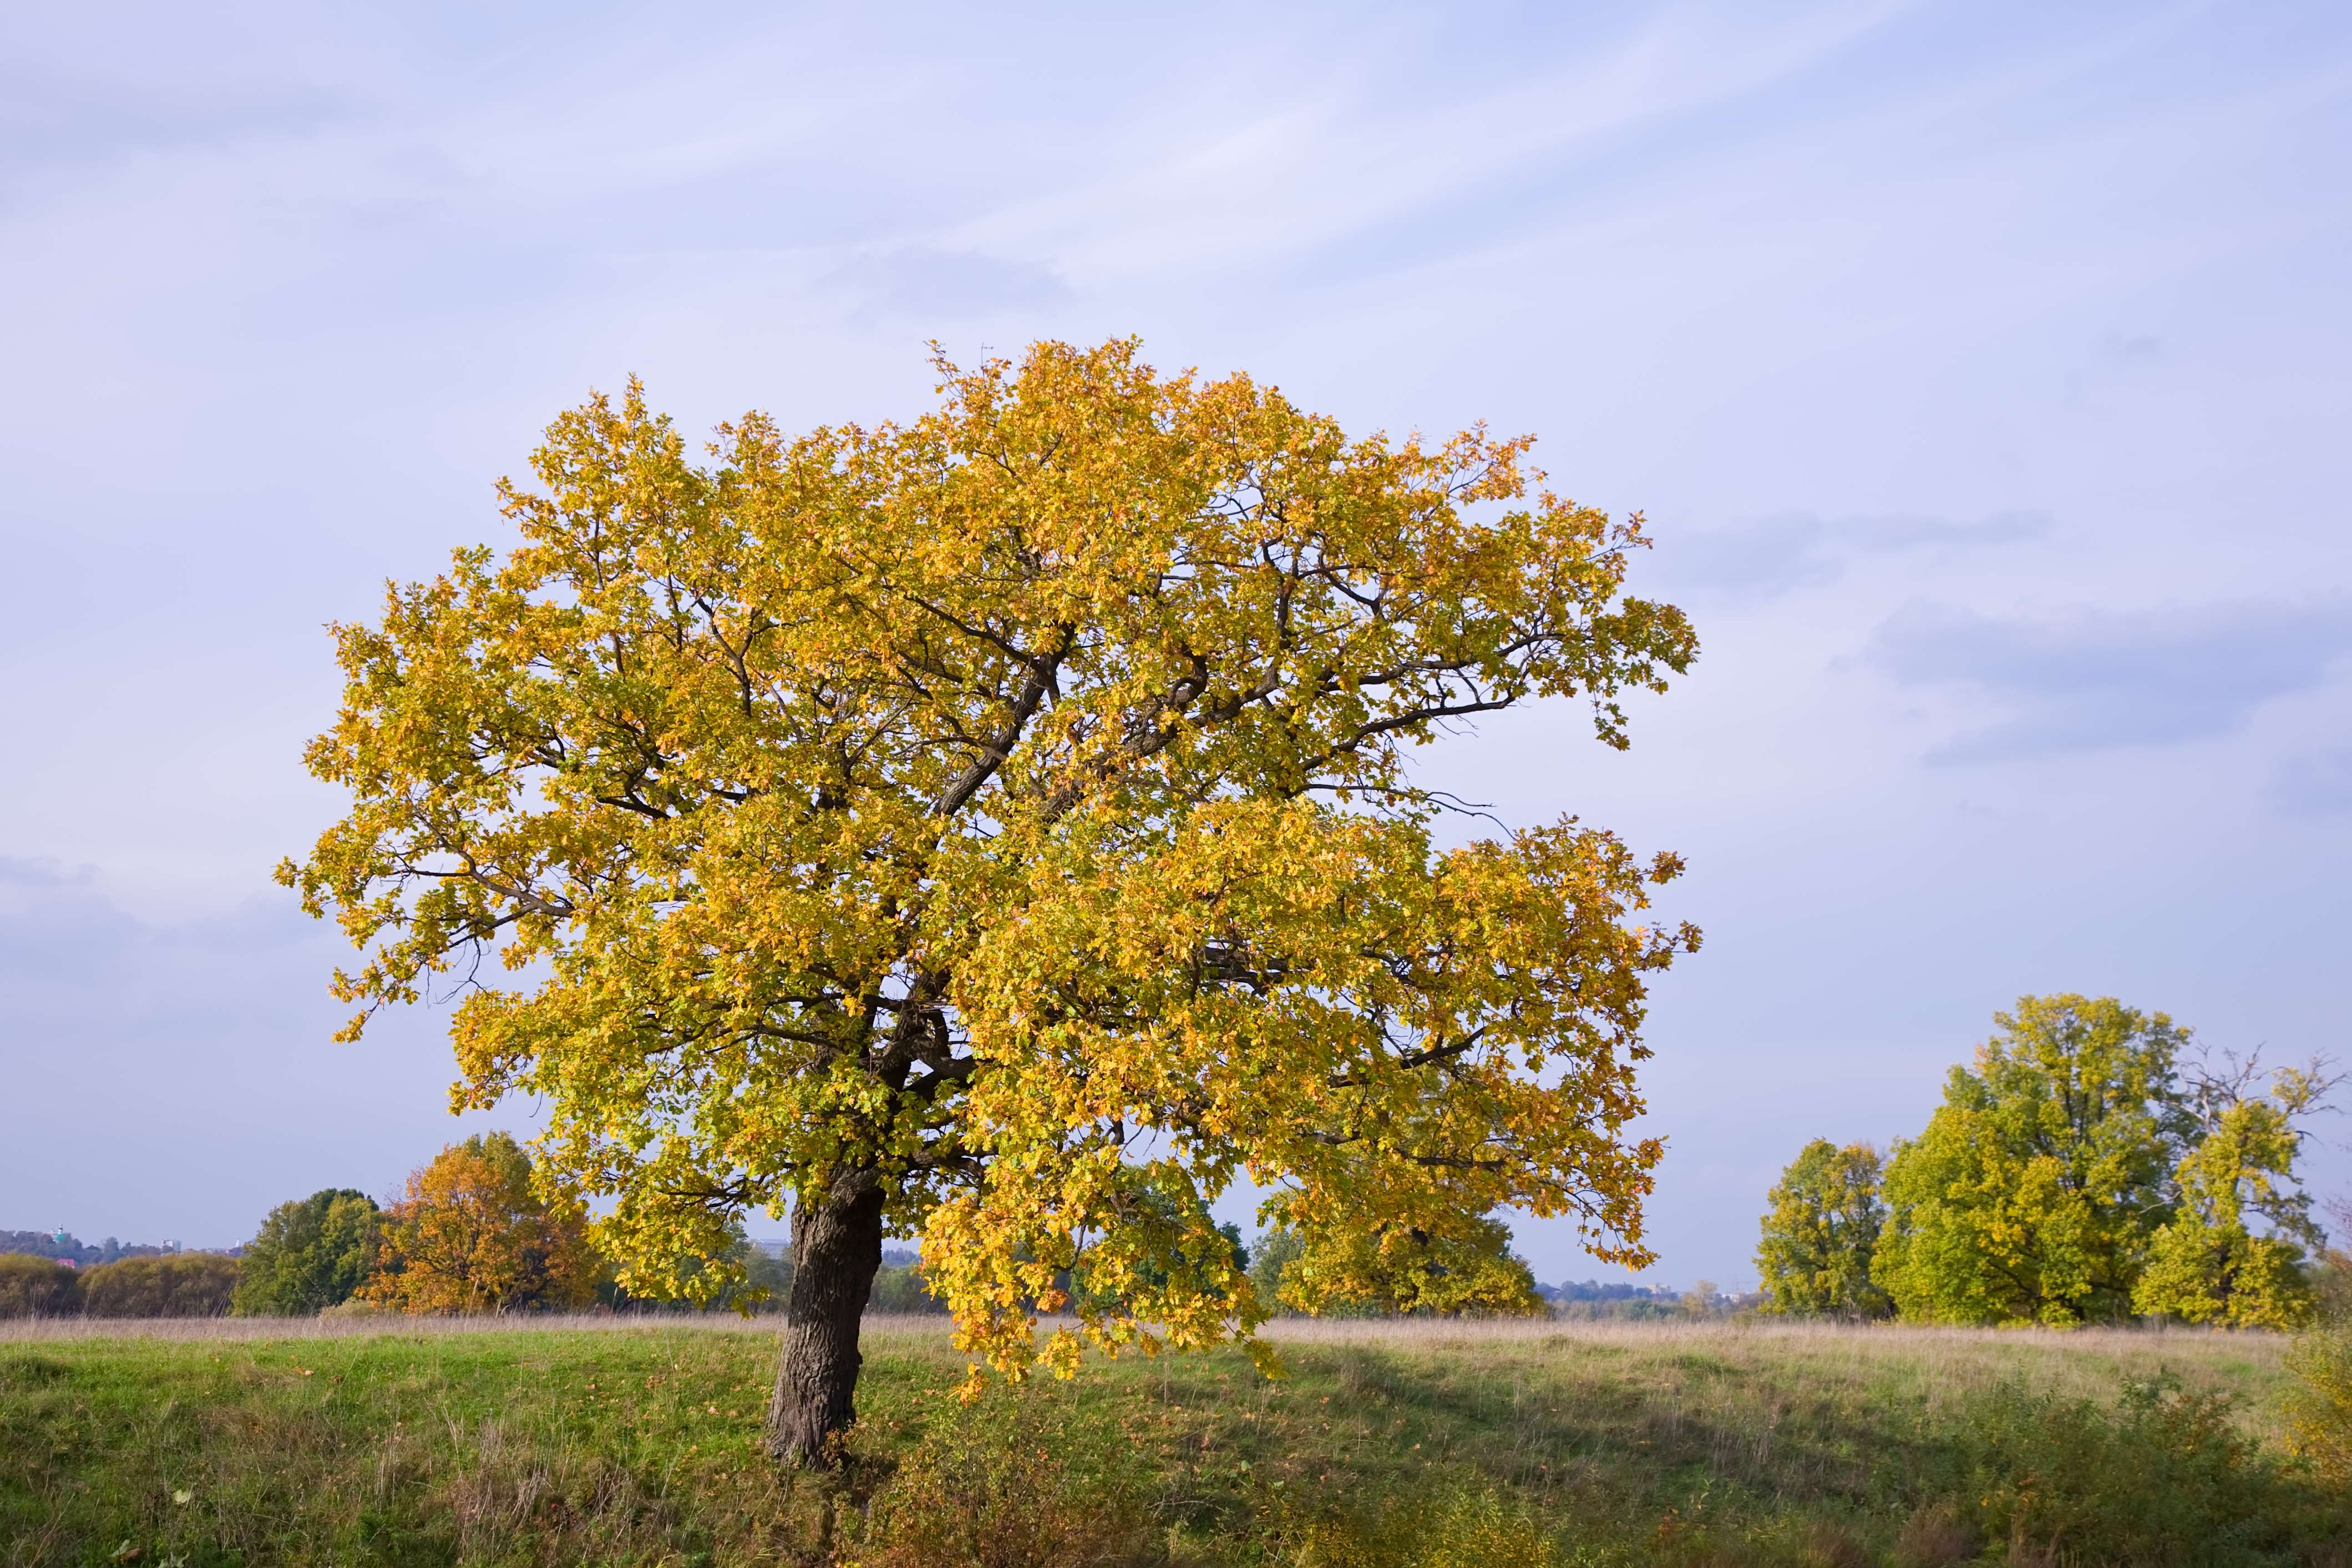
837 1247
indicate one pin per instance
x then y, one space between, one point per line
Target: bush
185 1285
2319 1407
2163 1476
34 1287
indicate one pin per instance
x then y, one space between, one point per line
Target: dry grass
1711 1368
1875 1342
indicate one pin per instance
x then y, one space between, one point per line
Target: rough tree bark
837 1247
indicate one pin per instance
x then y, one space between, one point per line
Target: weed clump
1936 1536
997 1484
1461 1529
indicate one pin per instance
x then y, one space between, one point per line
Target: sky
1981 369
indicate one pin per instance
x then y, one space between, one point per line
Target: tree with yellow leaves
471 1234
999 827
2207 1263
1817 1239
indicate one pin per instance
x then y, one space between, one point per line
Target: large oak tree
998 827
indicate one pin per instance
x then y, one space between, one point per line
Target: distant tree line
66 1247
2089 1166
169 1285
476 1230
473 1231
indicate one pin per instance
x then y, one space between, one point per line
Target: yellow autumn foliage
999 827
471 1233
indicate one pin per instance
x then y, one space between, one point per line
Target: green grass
590 1442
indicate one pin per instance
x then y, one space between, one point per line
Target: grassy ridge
621 1443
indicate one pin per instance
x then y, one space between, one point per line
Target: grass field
614 1441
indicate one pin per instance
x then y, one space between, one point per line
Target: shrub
183 1285
1935 1536
34 1287
2163 1476
2319 1407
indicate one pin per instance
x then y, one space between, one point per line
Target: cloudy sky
1982 370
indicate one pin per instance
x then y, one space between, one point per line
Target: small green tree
311 1254
1276 1251
900 1288
2036 1191
768 1273
1821 1232
2319 1402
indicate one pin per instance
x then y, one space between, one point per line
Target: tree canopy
2094 1164
2207 1263
2032 1192
310 1254
1821 1232
472 1234
999 827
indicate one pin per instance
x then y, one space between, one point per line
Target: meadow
627 1441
